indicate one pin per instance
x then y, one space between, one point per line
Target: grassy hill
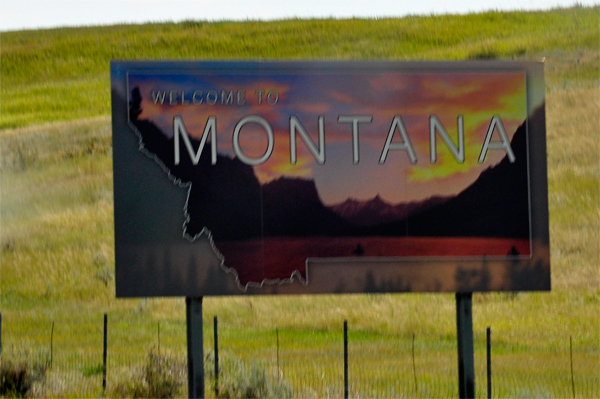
63 74
56 237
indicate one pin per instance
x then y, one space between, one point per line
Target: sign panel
322 177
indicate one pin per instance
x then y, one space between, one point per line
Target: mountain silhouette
495 205
292 207
376 211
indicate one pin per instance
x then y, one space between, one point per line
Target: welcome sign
322 177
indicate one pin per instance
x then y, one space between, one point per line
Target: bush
237 380
17 378
254 383
162 376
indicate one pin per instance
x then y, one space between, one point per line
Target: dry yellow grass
573 137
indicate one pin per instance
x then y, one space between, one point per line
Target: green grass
57 238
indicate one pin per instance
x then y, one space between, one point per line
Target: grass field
57 233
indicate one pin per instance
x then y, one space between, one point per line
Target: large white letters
236 139
318 153
405 145
179 129
318 149
355 119
494 145
458 151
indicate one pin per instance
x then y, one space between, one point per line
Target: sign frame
150 265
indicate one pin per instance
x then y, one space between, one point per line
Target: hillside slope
63 74
57 235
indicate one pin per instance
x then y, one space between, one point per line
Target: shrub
238 380
162 376
17 378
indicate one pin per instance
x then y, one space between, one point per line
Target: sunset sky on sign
382 95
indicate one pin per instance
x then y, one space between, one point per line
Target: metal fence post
216 333
488 339
104 352
571 356
345 359
52 344
414 365
277 353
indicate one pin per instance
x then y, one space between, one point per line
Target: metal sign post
466 361
193 317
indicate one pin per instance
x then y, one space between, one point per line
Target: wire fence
310 363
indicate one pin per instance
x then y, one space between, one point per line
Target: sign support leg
466 359
195 347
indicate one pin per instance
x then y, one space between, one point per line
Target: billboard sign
322 177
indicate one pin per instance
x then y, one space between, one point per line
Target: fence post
277 353
52 344
571 356
216 332
488 339
0 333
345 359
414 366
104 351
